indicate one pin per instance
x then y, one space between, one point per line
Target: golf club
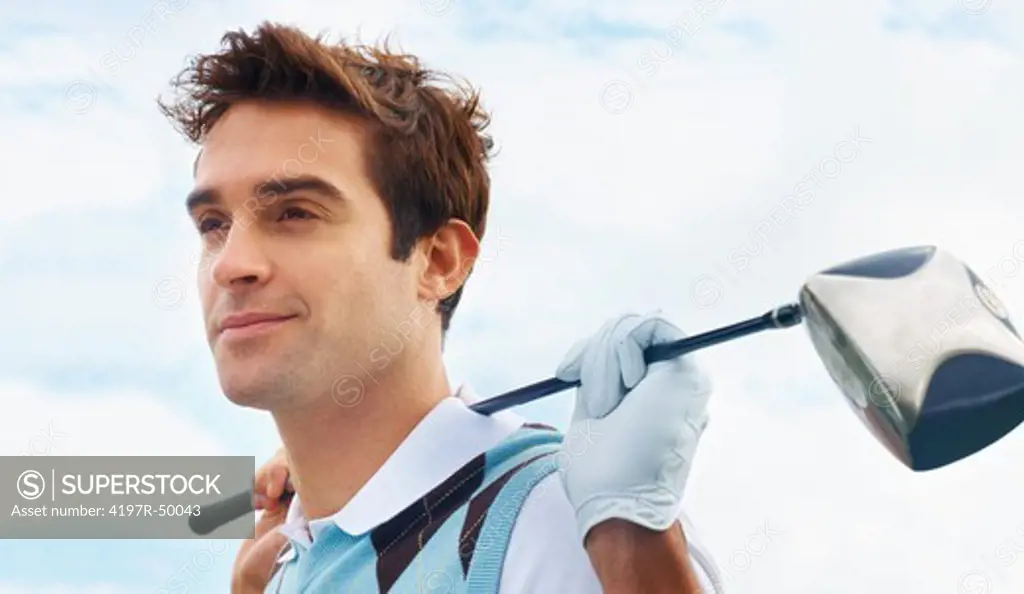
923 351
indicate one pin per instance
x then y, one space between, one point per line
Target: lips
251 319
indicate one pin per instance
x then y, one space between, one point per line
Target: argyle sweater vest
451 541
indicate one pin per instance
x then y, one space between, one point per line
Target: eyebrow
266 191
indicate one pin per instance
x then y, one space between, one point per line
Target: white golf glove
635 428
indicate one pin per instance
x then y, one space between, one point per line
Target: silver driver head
923 350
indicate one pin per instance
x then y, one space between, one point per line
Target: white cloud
101 161
98 423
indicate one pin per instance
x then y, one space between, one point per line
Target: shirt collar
446 439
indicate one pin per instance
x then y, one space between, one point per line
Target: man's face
297 283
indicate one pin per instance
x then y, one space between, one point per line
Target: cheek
360 281
378 288
207 289
342 286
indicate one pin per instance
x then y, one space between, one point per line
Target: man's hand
256 557
635 427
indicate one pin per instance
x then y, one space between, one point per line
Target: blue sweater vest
451 541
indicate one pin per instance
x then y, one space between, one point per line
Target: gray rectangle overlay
119 497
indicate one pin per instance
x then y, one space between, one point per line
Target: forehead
256 141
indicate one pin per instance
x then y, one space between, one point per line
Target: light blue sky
647 147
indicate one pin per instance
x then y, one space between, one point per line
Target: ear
450 254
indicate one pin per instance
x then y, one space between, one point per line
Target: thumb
260 555
571 367
271 520
264 553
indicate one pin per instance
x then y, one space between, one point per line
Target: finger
261 558
259 501
569 369
262 478
655 329
602 374
573 366
652 329
679 388
273 505
631 365
270 520
276 481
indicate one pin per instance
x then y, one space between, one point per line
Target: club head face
923 351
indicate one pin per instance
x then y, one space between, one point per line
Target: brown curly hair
428 148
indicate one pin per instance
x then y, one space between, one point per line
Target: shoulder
546 554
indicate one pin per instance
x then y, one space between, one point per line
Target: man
341 194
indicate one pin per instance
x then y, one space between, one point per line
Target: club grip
218 514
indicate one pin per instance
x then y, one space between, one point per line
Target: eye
294 212
208 224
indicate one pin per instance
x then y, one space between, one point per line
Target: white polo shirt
544 554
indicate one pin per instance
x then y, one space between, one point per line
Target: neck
337 445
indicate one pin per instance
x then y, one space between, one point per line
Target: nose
241 261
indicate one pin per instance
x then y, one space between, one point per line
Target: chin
246 397
254 388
